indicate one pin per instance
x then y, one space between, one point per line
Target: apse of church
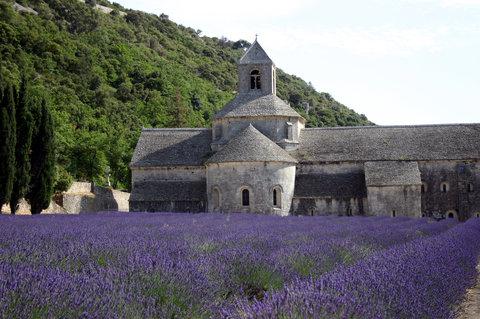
258 157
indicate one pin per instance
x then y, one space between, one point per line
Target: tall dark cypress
24 123
7 142
42 161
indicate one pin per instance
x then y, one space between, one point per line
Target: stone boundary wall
84 197
81 197
24 208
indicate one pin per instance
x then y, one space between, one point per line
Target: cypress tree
7 142
42 161
24 123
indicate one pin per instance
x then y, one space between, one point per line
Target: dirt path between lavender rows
470 308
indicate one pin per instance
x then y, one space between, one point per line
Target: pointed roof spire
255 54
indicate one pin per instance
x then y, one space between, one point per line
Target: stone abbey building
260 158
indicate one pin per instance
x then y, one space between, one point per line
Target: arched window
444 187
394 213
216 198
277 197
451 214
311 210
477 215
424 187
217 132
245 197
470 187
255 83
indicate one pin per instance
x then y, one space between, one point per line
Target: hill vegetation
109 75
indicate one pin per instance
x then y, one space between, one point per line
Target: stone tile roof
380 143
392 173
344 185
251 146
255 55
172 147
248 104
168 191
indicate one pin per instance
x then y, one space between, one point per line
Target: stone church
258 157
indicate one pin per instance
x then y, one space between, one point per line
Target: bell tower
256 72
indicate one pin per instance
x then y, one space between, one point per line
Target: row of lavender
212 265
425 278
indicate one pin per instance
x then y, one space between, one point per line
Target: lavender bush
211 265
424 278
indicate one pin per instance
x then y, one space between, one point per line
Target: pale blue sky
396 61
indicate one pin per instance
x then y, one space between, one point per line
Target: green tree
110 75
180 111
42 161
7 142
24 121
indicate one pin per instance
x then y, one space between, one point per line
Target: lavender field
234 266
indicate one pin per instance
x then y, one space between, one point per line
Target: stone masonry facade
259 158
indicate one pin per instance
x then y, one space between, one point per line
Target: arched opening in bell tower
255 82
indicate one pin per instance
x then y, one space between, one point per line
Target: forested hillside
107 75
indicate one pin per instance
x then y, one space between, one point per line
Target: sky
396 61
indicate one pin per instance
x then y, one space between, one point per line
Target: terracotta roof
172 147
248 104
251 146
389 143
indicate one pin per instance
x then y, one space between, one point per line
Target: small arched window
424 188
245 197
444 187
217 132
394 213
216 198
311 210
451 214
477 215
470 187
255 83
277 197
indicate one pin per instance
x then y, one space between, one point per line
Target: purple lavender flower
239 265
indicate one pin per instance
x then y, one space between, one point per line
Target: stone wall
169 189
462 195
84 197
330 189
229 179
274 127
329 206
193 206
174 173
394 201
320 189
24 209
334 189
267 78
